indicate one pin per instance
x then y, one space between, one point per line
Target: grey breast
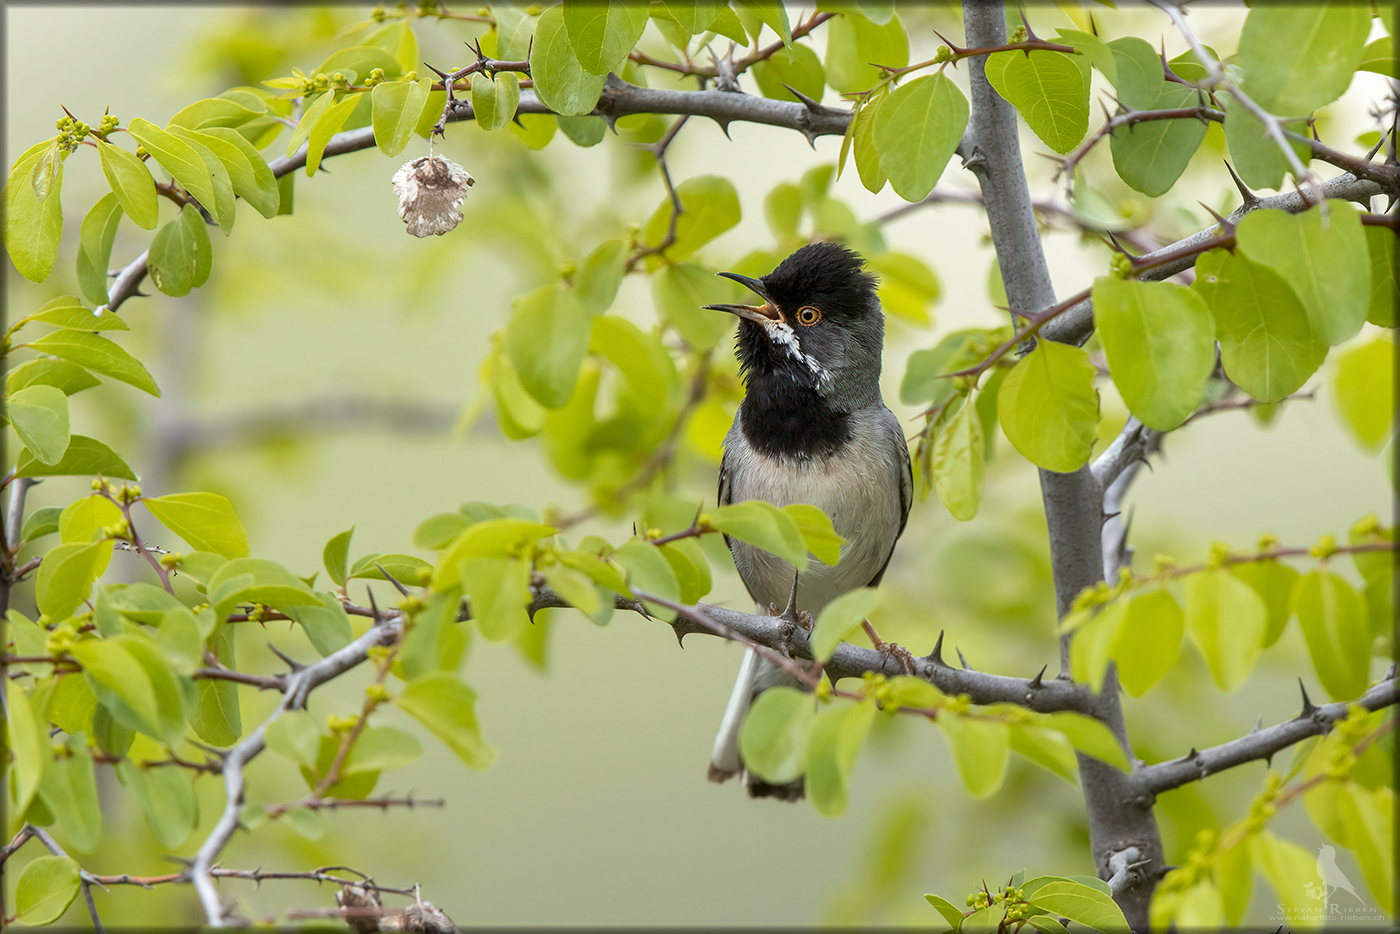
858 487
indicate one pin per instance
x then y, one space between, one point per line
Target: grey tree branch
1261 744
1075 325
1074 501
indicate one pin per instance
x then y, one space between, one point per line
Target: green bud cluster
338 80
376 76
1121 266
378 13
1219 551
377 693
1020 35
411 76
1325 547
341 724
71 132
978 900
944 54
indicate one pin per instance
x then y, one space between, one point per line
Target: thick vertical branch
1118 818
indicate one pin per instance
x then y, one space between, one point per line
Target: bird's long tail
755 676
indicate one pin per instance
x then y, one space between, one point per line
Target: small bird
1331 874
812 429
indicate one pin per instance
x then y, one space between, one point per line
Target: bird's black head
820 327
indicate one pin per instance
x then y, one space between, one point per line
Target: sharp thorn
1192 754
789 613
724 125
810 104
291 663
936 656
1225 225
961 659
1248 196
1309 708
1258 723
391 579
1036 682
374 607
680 636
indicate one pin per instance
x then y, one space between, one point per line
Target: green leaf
445 705
406 569
600 571
1151 156
1149 640
603 32
947 909
214 112
680 292
169 696
689 565
711 206
647 570
256 580
907 287
499 589
68 311
224 209
66 576
854 45
99 354
179 638
1381 243
577 589
95 249
584 131
27 741
1369 816
1048 406
69 791
397 107
381 748
205 520
600 274
795 66
1047 748
917 128
178 158
327 125
957 461
39 415
1259 160
113 672
1050 89
1324 259
1379 57
1080 903
839 618
756 14
1274 583
1235 874
1298 58
817 532
325 623
251 175
782 208
41 522
45 889
181 256
85 457
68 377
1227 621
1091 648
546 339
1334 623
561 83
491 538
980 747
167 796
1363 388
295 736
494 99
1160 341
1290 869
764 526
535 130
925 381
1267 344
336 552
217 718
773 739
33 225
833 744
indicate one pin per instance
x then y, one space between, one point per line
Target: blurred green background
597 811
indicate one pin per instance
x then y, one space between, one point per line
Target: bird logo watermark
1321 903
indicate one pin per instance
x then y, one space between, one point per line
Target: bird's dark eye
807 315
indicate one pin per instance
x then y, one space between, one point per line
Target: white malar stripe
781 332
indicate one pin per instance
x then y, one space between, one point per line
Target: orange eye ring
808 315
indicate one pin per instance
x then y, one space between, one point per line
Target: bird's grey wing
725 495
906 488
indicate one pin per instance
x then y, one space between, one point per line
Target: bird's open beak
767 313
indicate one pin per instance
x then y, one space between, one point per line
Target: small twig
314 803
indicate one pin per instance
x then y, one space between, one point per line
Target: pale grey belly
861 496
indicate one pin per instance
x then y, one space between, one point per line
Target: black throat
780 418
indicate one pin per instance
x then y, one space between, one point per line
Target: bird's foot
804 619
903 655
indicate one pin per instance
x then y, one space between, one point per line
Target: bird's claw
903 655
